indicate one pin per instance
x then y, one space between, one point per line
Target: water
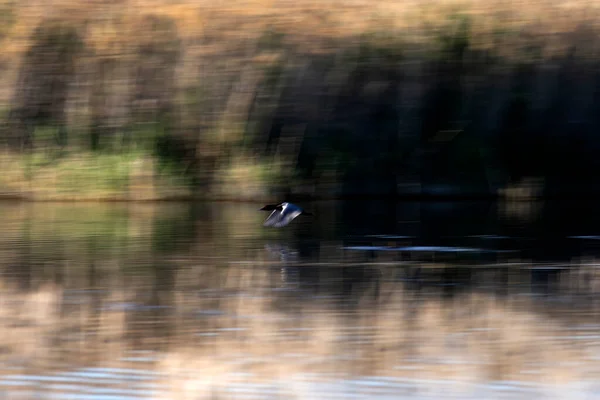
365 300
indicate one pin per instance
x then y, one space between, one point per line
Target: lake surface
365 300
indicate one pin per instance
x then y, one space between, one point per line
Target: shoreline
300 198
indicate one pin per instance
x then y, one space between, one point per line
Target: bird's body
282 214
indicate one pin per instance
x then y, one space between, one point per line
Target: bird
282 214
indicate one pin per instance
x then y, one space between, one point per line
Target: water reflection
375 299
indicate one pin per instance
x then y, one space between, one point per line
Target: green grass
86 176
249 178
133 175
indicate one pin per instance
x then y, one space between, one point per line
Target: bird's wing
286 218
278 219
273 218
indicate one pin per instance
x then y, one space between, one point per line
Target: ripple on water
88 383
85 384
428 249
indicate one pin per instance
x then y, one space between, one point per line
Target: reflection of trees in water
450 276
102 255
24 265
56 246
175 230
225 312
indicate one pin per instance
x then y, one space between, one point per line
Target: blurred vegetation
253 100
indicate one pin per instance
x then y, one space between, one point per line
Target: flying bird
282 214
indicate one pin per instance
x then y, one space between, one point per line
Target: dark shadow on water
348 248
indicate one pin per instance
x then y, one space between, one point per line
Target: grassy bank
255 98
87 176
91 176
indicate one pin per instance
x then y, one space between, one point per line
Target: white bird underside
281 217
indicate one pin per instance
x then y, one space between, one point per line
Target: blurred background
448 150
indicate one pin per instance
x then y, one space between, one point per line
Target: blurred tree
42 88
